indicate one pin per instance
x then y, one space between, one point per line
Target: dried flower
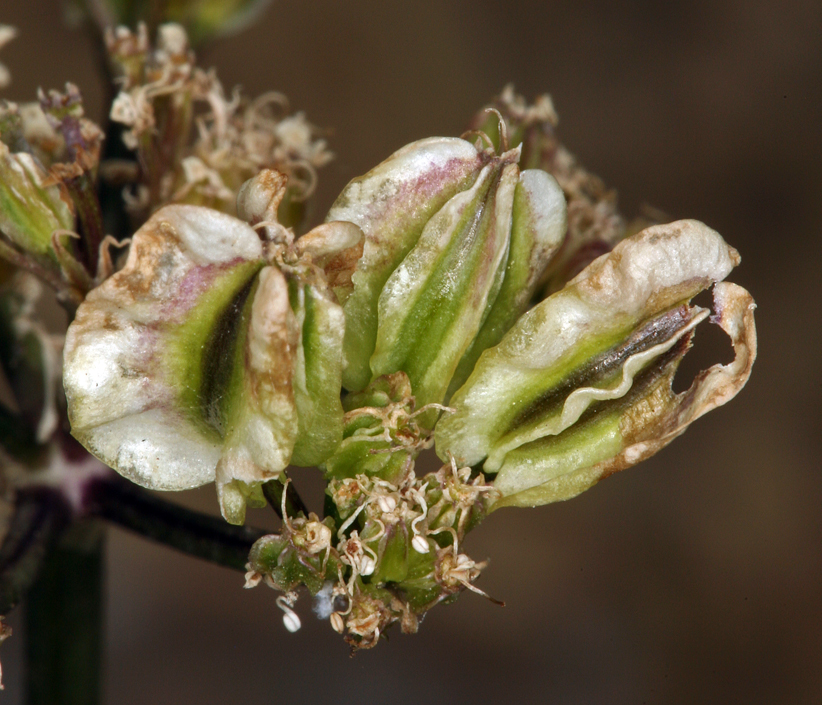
50 215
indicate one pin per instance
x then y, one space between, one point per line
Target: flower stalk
194 533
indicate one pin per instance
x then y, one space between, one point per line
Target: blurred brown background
695 578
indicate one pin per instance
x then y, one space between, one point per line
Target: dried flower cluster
164 95
481 296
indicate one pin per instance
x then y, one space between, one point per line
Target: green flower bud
32 206
394 553
580 386
298 556
378 425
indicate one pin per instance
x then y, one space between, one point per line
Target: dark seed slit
602 366
220 349
642 382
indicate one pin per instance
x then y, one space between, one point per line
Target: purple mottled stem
200 535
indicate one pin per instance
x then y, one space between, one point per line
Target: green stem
64 622
65 294
199 535
40 516
84 194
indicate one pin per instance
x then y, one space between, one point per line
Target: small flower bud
420 544
386 503
31 210
291 621
317 536
376 427
298 556
367 565
259 198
